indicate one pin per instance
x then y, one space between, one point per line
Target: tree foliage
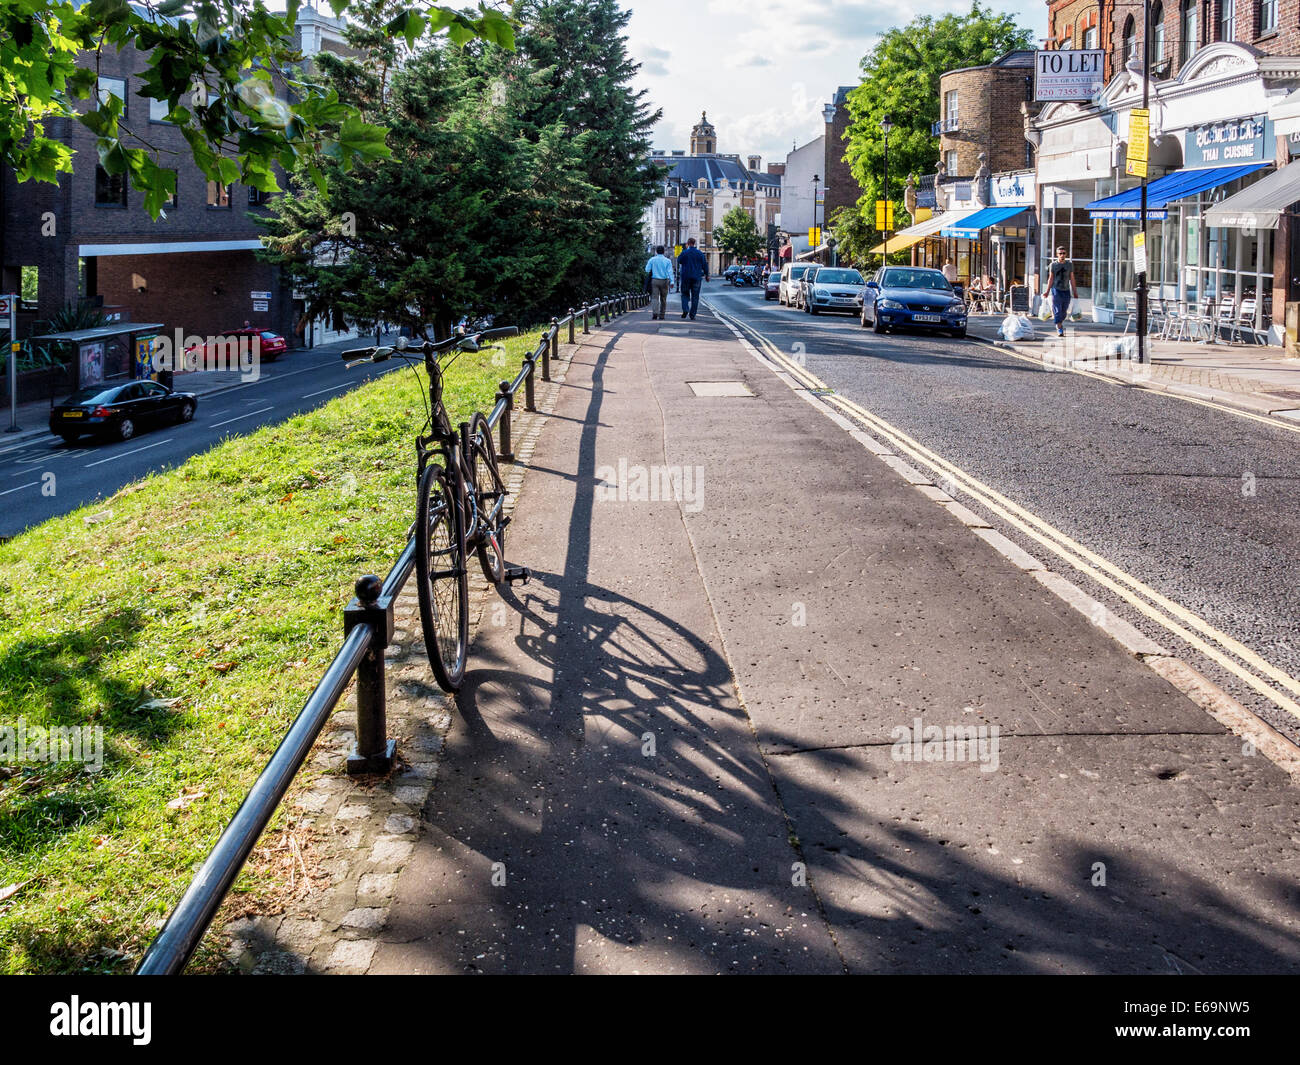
854 237
479 207
901 79
738 234
220 66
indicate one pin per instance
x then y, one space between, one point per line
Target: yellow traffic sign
677 249
885 215
1139 133
814 236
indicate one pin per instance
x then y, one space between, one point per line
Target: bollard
585 327
572 316
530 364
374 751
552 349
506 449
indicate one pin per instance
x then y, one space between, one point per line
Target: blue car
912 296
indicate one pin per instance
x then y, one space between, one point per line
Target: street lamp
885 127
816 182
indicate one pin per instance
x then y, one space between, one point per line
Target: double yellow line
1230 654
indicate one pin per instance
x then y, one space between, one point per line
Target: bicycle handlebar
468 341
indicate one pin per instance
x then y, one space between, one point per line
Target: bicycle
460 503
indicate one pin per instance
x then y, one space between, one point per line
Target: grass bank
187 616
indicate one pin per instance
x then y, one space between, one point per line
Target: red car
270 345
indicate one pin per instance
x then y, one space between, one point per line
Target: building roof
714 169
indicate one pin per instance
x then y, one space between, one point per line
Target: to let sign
1068 74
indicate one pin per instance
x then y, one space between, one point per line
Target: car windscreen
839 277
774 277
797 271
916 279
97 394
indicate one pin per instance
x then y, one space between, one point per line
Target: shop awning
970 227
905 238
1169 189
1258 206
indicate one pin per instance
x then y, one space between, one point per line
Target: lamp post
816 183
885 127
1146 106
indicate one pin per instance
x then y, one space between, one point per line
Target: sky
763 69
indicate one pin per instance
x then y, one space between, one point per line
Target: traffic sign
885 215
1139 133
814 236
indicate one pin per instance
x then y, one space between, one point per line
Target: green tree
738 234
578 51
222 67
476 209
901 79
854 236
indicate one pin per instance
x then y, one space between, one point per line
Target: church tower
704 138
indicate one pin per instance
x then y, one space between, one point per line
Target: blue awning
1168 189
972 225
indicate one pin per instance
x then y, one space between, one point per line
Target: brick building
841 188
980 114
90 238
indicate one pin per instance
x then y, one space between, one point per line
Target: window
1267 17
158 110
256 197
1187 39
218 194
950 161
1228 21
1157 32
29 283
1090 37
110 189
950 105
1130 40
112 87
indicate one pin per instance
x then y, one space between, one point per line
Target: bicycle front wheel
442 579
490 493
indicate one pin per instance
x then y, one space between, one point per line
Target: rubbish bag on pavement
1016 327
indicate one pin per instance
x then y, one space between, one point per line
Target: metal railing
368 627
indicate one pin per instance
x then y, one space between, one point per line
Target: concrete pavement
698 741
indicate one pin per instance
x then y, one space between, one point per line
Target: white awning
1285 114
1258 206
905 238
168 247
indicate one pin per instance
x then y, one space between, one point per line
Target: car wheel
813 310
187 412
125 429
879 326
69 438
960 334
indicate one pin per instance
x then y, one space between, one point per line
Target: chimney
755 161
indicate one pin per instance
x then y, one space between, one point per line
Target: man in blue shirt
694 269
660 269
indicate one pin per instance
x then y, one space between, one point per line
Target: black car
912 296
120 410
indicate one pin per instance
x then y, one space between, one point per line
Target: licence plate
925 318
74 413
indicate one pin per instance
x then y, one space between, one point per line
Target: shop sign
1241 140
1012 190
1067 74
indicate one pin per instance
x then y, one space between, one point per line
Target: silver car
834 288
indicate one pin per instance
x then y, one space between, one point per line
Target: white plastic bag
1016 327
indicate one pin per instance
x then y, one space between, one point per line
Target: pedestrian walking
659 272
1061 285
949 271
693 268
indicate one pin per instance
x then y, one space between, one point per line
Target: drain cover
716 389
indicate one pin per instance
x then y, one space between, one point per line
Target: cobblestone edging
363 831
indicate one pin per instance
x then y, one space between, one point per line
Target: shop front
1212 140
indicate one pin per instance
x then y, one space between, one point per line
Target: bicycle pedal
518 573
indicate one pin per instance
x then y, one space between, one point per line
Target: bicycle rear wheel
443 583
490 535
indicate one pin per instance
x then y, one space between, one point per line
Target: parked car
912 296
836 288
731 271
120 410
790 275
772 286
805 283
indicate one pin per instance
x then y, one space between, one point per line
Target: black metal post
572 317
586 326
552 349
374 751
506 448
884 250
1146 106
530 365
